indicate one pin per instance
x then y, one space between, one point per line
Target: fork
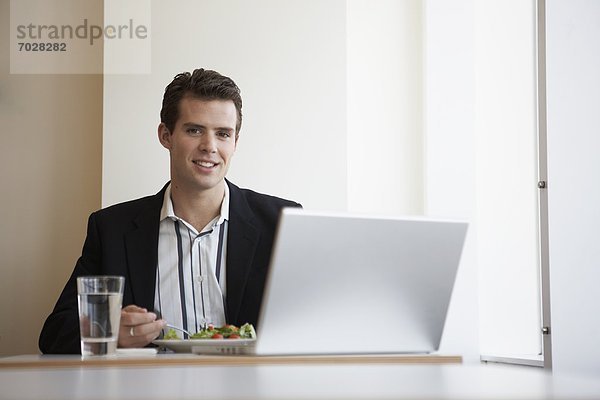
178 329
159 316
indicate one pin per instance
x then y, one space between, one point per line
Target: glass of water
100 299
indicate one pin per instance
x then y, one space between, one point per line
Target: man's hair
202 84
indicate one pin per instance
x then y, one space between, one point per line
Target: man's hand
138 327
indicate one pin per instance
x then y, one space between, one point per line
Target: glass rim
101 277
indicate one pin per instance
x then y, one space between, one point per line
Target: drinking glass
100 299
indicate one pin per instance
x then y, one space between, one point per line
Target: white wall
573 94
301 65
450 152
288 57
506 178
385 106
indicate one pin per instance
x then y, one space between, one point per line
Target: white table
168 378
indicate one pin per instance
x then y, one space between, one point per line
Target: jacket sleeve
60 333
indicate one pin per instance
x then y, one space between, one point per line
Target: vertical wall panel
50 174
573 95
449 179
506 178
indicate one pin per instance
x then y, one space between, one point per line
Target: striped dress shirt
190 284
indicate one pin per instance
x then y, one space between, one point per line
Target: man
193 254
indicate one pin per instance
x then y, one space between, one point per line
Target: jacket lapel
141 246
242 240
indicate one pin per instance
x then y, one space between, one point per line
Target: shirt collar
167 210
224 216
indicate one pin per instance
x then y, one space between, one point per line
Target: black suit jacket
123 240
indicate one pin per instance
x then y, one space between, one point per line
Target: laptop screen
352 284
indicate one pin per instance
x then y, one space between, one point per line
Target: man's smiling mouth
205 164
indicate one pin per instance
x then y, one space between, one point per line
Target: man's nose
208 143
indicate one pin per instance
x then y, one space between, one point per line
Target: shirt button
200 278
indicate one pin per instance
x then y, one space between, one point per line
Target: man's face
201 144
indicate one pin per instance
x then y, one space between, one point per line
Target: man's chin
205 185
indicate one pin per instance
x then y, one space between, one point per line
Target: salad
245 331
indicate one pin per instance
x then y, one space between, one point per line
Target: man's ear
164 136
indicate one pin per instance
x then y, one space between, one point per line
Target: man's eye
224 134
193 131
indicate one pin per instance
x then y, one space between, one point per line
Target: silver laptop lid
351 284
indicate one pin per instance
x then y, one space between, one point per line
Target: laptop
355 284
